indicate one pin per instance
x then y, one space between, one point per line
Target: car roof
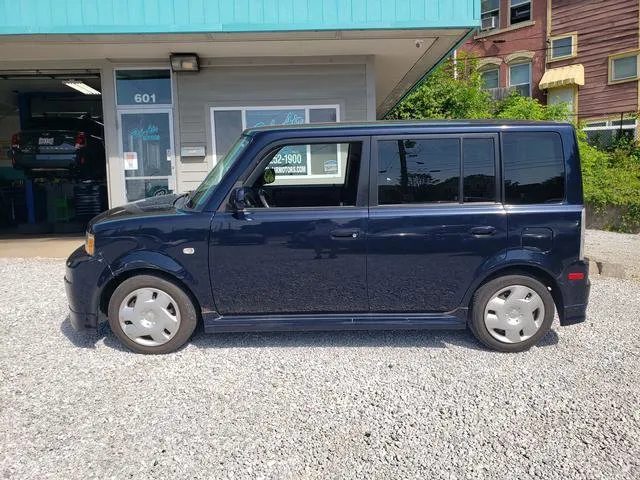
400 126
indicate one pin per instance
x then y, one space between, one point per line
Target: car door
435 220
299 246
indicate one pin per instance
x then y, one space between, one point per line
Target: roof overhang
399 58
563 76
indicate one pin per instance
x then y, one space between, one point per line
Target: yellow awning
561 76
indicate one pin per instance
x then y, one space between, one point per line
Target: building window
565 95
604 133
490 14
490 78
623 67
143 88
228 123
565 46
520 11
520 78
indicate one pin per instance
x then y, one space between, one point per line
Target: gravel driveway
317 405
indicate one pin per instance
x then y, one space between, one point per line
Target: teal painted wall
193 16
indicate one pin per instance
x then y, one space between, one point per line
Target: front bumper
84 279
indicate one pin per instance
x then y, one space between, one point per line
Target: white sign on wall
130 160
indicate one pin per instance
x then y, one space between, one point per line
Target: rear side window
479 169
533 168
428 170
418 171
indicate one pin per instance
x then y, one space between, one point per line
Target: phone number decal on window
287 159
290 161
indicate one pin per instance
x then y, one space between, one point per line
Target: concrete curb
598 268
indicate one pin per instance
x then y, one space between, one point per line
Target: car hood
155 206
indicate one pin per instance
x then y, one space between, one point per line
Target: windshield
219 171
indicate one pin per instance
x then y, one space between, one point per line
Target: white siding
344 84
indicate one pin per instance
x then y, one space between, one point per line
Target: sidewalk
617 253
59 246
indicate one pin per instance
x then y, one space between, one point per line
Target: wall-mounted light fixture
184 62
82 87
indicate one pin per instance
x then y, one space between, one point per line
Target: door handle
483 231
345 233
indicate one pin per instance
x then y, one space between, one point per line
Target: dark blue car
350 226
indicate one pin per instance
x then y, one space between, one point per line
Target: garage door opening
52 151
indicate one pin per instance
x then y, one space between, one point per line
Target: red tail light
15 140
81 140
576 276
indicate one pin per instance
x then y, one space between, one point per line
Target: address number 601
144 98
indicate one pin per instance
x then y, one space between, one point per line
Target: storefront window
143 87
294 161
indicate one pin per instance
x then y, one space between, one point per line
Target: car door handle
345 233
482 231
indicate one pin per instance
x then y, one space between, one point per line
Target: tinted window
533 168
418 171
479 170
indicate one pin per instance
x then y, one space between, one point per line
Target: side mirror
238 199
269 176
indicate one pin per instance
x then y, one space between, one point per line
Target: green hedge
612 179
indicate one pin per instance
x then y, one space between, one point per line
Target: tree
452 90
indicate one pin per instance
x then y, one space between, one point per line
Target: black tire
188 313
491 288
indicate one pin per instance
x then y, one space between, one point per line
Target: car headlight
90 243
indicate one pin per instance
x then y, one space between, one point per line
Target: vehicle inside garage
52 151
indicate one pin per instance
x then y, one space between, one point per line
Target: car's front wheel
151 315
511 313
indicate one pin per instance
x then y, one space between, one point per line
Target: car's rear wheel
511 313
151 315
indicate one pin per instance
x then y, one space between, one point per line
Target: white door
146 150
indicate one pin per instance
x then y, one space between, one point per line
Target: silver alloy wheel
514 314
149 317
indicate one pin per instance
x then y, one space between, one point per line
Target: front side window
520 78
490 14
428 170
274 185
623 68
563 47
490 78
533 164
520 11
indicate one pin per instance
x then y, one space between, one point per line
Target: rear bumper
575 295
37 161
84 278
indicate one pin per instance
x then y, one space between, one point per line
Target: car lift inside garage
52 160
